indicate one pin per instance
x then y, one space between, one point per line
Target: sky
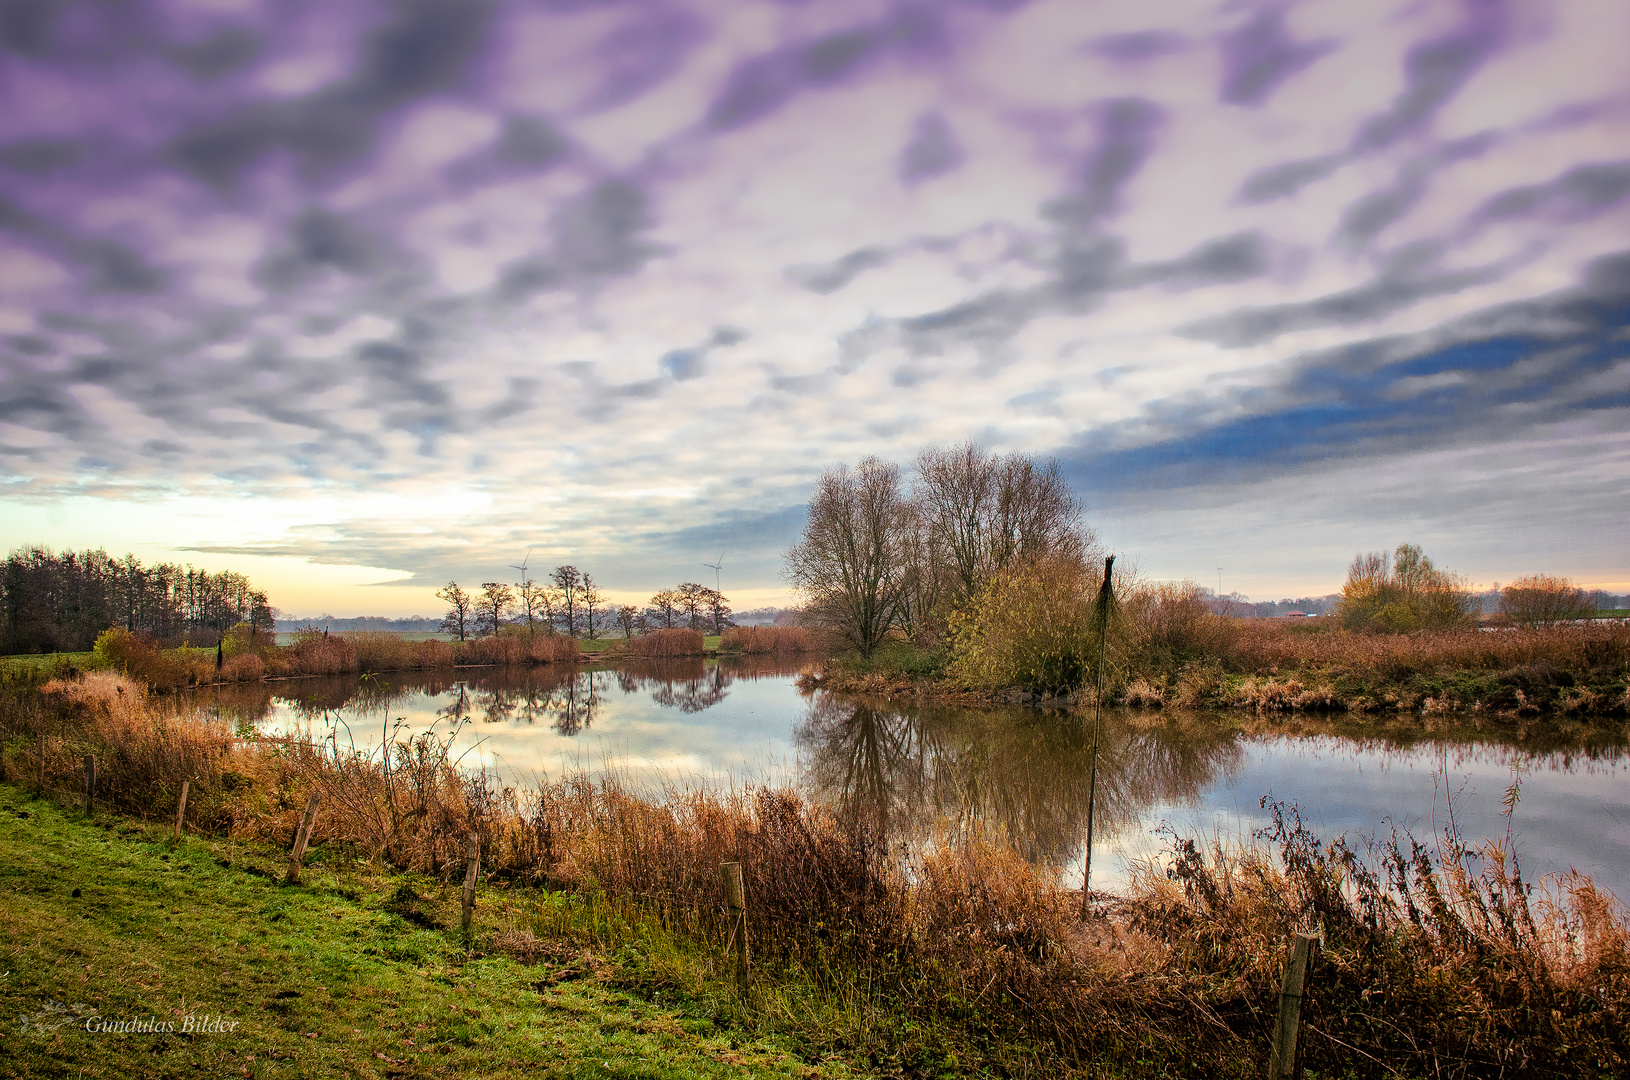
361 297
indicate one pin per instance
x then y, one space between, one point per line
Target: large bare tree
851 560
983 513
568 581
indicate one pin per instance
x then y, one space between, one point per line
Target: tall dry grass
1434 964
766 640
662 644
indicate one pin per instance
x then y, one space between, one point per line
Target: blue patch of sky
1346 408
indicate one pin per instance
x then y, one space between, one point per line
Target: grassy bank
956 959
1268 666
351 973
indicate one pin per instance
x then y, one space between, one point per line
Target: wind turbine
525 581
716 568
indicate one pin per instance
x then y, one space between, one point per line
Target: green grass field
353 973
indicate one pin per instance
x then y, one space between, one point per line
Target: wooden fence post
1282 1060
302 838
472 870
735 894
39 784
181 808
90 783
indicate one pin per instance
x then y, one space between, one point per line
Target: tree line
570 601
51 602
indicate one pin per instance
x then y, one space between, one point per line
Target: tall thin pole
1100 614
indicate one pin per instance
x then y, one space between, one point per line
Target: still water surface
1023 772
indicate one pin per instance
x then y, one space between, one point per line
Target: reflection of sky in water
712 726
1573 812
745 736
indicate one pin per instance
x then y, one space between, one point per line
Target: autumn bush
1542 600
1028 626
141 658
1402 592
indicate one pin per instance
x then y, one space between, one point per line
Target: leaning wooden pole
301 839
1282 1058
1101 607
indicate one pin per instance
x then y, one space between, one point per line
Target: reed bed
661 644
1437 962
318 653
1271 666
766 640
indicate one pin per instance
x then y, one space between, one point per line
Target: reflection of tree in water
576 702
909 771
686 683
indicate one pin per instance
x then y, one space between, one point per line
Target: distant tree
850 561
492 606
460 608
717 606
538 604
568 580
1542 600
691 599
1406 592
665 605
628 620
591 597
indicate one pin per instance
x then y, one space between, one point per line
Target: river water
1015 772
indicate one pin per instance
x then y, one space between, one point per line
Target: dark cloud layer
575 249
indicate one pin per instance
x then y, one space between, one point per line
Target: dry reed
766 640
661 644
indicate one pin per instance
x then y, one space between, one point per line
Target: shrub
1167 625
140 658
1541 600
1028 627
313 652
1402 594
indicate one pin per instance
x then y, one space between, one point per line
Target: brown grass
766 640
1431 966
660 644
1263 645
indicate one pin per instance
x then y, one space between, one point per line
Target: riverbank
1505 675
129 955
958 958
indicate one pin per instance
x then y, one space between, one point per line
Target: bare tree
628 620
666 605
690 598
460 606
491 606
591 597
718 609
983 514
538 605
850 560
568 580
